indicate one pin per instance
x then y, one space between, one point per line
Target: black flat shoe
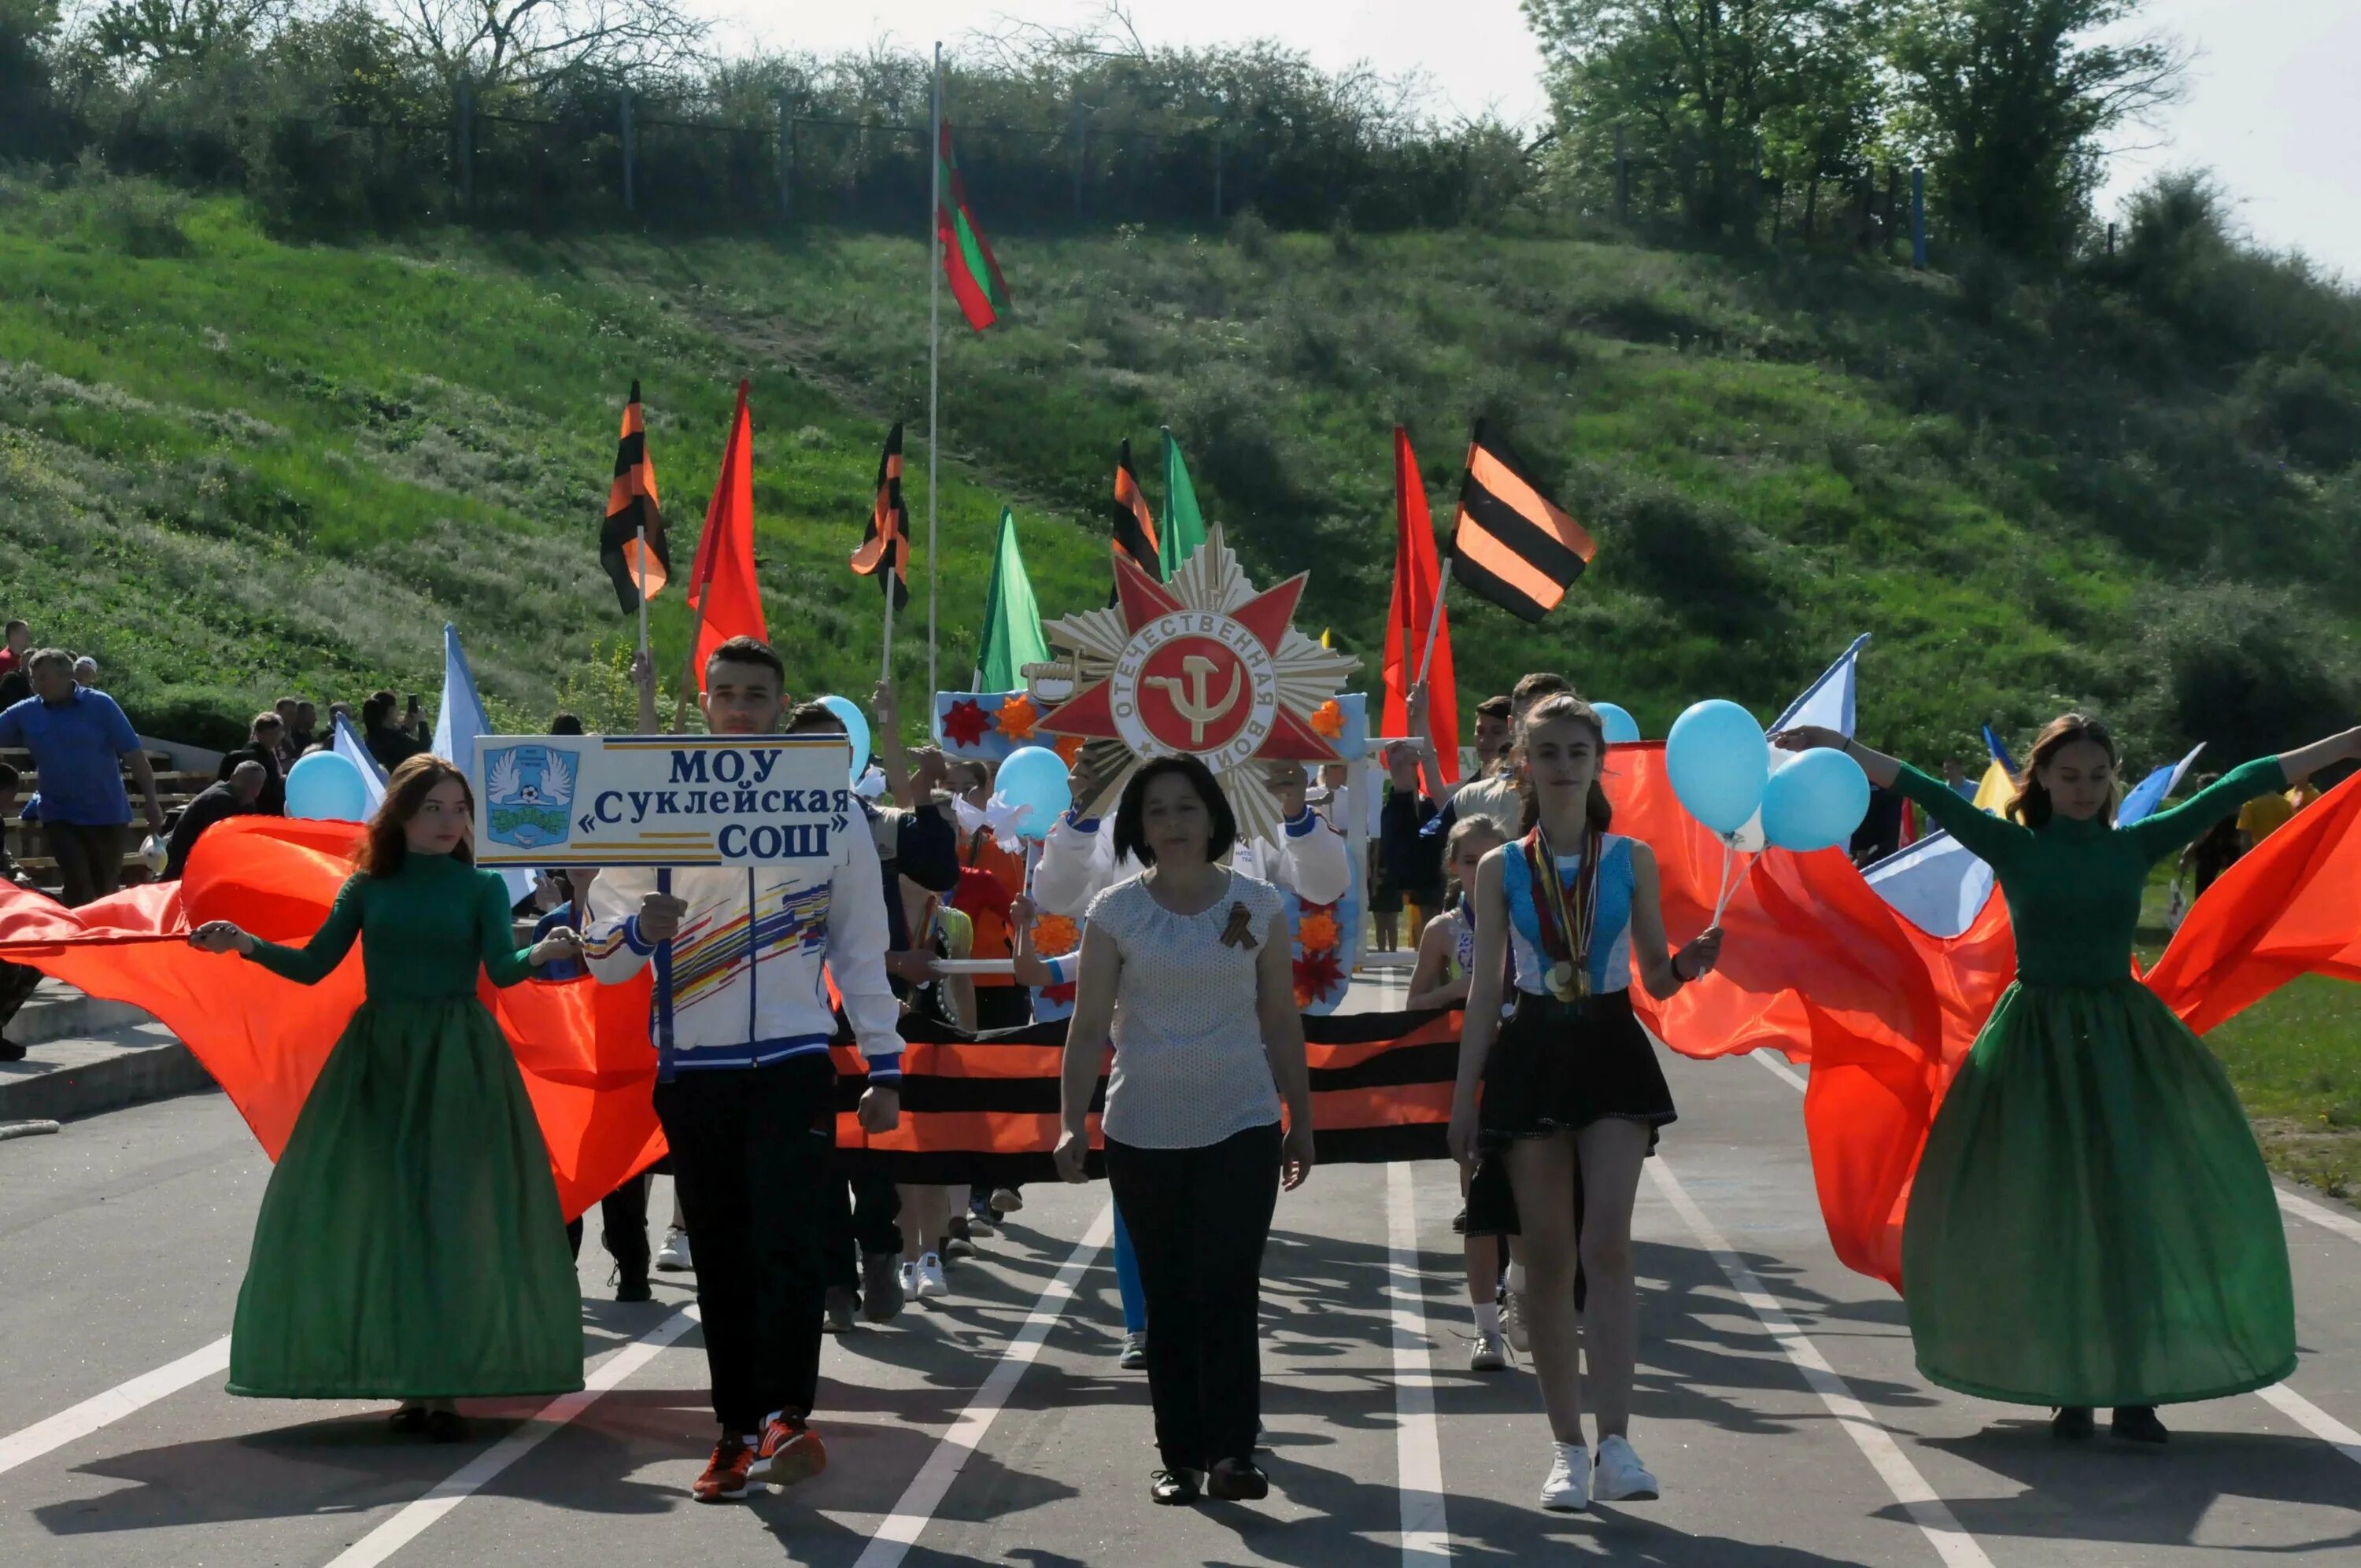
2138 1423
1237 1481
409 1420
2072 1422
446 1426
1173 1488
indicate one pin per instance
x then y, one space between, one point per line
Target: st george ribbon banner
660 800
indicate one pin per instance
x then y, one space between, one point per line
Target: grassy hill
233 467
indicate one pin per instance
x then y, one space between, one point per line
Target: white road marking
23 1446
1780 1069
2313 1419
546 1422
927 1490
1418 1450
1932 1515
2320 1214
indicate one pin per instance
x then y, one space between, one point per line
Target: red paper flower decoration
1017 717
1328 721
1317 974
966 723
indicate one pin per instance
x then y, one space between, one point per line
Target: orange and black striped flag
631 506
1134 525
885 551
1511 543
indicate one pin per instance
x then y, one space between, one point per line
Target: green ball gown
410 1245
2092 1222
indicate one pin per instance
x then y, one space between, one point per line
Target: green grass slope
234 466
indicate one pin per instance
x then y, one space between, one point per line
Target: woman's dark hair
2030 805
385 848
566 724
1130 836
1564 708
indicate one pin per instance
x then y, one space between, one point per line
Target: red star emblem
966 723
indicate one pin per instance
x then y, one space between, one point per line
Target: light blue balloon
1620 727
1815 801
324 788
856 730
1719 762
1035 777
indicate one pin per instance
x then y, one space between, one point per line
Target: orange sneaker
789 1451
725 1478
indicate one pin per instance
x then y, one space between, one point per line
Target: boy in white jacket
746 1090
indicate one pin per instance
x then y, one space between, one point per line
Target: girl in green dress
410 1245
2090 1223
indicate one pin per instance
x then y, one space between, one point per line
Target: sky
2271 104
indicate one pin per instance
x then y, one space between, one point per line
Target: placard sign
660 800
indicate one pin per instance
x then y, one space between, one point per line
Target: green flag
1011 622
1185 525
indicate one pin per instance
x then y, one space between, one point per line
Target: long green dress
2090 1223
410 1245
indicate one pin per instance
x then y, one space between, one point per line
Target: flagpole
885 671
934 358
1434 620
643 588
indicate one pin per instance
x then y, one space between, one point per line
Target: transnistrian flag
1012 620
1511 543
885 551
631 506
968 264
1184 524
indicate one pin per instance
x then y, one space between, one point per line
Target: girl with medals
1571 1094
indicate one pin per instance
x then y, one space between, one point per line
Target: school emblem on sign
527 792
1203 665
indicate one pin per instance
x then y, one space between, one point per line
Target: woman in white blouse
1186 970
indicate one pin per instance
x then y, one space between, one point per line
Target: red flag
1417 581
721 587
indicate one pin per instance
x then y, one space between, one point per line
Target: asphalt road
1777 1400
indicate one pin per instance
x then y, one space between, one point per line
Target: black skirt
1558 1067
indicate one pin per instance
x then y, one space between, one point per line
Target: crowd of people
1528 914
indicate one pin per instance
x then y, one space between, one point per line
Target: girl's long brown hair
2030 805
387 846
1558 710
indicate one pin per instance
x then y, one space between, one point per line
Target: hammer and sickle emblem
1193 707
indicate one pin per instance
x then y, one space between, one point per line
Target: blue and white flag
352 748
1829 701
459 722
2154 790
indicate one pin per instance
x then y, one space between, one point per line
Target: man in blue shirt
81 743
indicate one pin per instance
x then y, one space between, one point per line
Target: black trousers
16 983
751 1152
89 861
623 1220
861 1211
1198 1219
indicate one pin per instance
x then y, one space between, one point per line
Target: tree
28 28
2012 99
526 43
1692 84
145 34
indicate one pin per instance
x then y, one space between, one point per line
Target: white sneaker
1567 1490
930 1283
1622 1477
1006 1200
1135 1350
673 1257
909 1282
1487 1354
1512 1321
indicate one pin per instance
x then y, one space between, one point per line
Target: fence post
1217 174
1918 218
1079 132
1623 180
786 160
630 153
1892 205
466 145
2110 239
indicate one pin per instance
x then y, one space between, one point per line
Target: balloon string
1728 884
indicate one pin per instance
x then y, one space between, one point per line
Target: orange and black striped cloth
631 506
885 550
1511 543
1134 525
985 1110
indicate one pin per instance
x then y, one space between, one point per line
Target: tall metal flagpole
934 350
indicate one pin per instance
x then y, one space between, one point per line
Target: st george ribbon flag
457 723
1511 544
